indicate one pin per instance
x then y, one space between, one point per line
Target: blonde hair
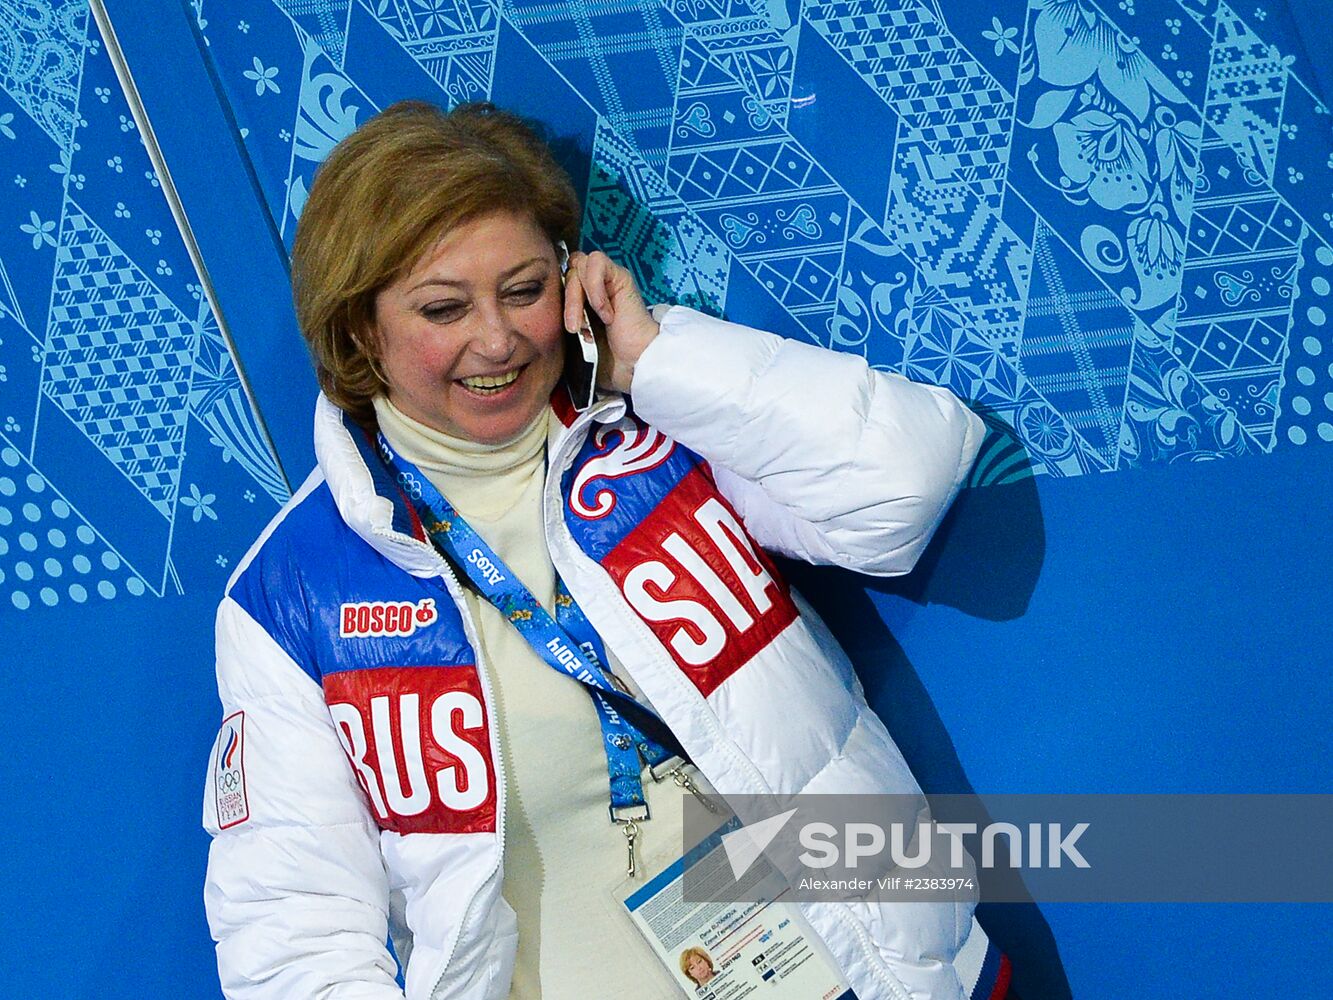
699 953
386 195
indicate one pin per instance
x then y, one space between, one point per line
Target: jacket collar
375 507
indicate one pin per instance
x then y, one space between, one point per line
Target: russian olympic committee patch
229 773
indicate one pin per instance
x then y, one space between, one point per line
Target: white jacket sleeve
296 892
824 458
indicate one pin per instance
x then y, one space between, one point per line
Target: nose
495 337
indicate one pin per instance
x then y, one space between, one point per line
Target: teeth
491 382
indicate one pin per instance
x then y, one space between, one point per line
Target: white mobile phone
581 353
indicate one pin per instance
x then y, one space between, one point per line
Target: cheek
547 330
553 344
411 358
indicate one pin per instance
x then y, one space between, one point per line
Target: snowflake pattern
265 78
41 232
1002 37
199 504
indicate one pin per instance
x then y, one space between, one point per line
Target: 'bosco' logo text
367 618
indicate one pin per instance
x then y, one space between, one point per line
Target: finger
574 295
597 273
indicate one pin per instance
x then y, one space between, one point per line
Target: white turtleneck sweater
565 863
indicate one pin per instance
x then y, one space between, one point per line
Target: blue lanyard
567 643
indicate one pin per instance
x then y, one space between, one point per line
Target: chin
502 429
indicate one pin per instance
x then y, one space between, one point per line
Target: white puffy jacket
355 788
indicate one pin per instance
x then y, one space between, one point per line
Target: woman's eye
526 293
443 312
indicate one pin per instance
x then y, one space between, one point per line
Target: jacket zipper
455 590
899 991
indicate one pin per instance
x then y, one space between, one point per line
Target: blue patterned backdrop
1109 227
1109 230
129 446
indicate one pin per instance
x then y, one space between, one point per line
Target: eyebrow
461 284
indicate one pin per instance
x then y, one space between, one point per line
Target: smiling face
471 342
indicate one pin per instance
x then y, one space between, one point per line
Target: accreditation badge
724 950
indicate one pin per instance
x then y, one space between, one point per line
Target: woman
695 963
411 743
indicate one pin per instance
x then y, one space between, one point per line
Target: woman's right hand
597 282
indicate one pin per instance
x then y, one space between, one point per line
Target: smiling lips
490 385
